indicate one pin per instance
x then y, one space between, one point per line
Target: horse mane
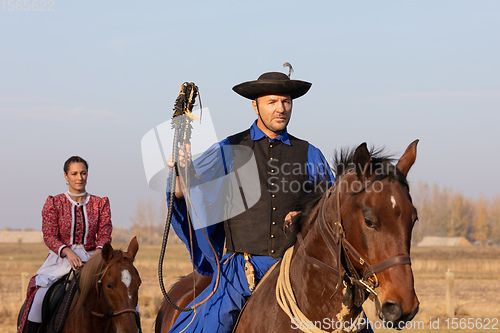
381 164
90 274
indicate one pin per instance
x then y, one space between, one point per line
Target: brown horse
353 242
107 294
181 294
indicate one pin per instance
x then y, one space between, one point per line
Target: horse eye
110 287
369 223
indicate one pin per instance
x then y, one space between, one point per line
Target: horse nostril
391 311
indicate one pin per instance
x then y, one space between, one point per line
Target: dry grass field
476 270
476 285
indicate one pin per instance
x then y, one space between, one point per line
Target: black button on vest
283 175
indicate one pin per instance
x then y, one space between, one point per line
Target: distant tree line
148 223
441 211
445 212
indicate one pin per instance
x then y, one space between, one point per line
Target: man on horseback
288 169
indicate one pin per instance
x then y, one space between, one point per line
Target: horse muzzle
394 317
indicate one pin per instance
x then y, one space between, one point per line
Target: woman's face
76 176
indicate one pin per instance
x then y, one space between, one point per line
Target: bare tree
444 212
481 223
146 223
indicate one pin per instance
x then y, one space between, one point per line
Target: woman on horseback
75 227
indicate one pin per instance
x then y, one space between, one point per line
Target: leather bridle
345 253
111 313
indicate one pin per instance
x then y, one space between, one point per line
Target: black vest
283 175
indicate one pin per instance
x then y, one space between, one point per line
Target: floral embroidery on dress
93 222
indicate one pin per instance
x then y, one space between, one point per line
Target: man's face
275 113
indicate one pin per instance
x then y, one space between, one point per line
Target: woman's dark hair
74 159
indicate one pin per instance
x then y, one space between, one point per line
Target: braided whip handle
182 134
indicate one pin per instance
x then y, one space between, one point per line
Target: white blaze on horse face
393 202
127 279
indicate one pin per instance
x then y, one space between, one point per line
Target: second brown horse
354 242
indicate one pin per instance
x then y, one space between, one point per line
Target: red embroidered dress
82 226
67 222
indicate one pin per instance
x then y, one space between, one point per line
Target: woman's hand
73 258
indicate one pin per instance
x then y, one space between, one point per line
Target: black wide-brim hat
272 83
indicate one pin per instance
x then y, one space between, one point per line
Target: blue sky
91 78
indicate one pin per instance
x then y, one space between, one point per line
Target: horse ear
107 252
362 160
133 247
408 158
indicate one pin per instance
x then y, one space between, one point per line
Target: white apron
55 267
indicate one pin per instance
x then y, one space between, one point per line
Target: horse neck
314 284
81 320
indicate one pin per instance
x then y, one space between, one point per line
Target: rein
346 252
288 303
341 249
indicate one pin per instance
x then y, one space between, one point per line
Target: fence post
450 296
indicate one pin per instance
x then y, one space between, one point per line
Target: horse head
120 286
110 286
376 219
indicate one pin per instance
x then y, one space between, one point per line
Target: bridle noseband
345 252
